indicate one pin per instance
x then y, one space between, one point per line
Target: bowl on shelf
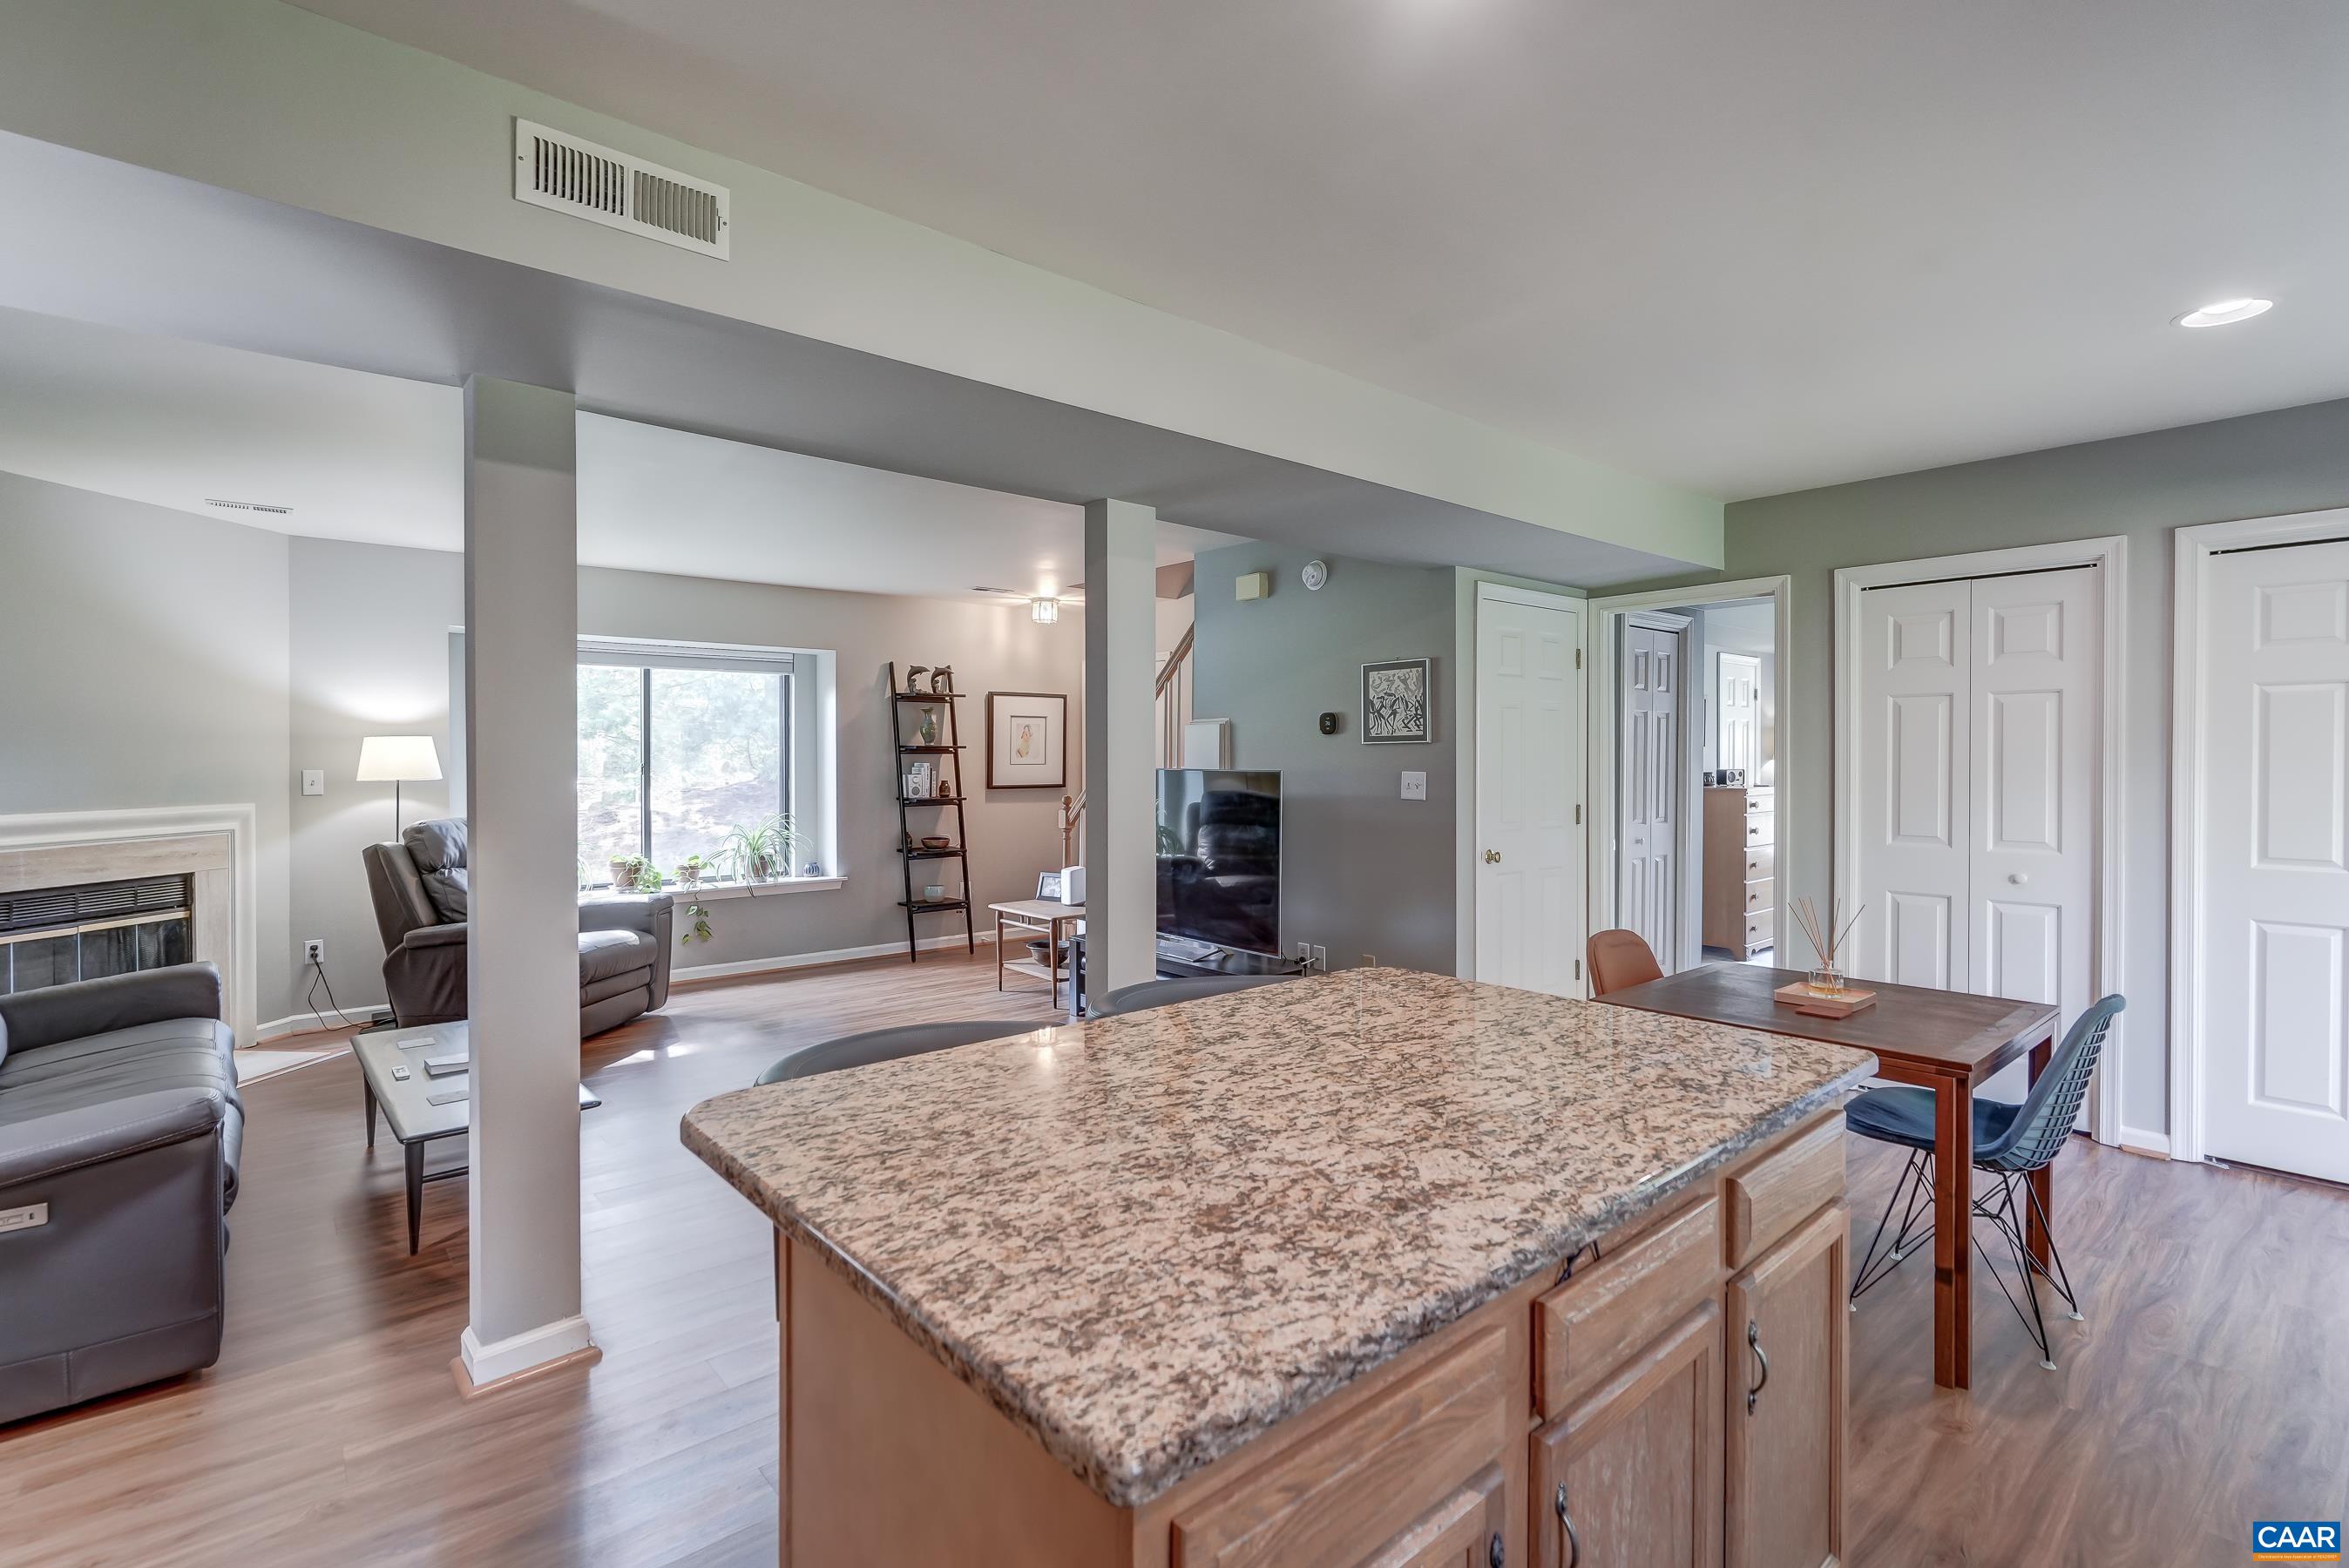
934 894
937 841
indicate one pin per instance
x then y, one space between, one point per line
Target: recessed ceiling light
2226 311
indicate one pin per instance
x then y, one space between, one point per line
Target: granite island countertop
1148 1239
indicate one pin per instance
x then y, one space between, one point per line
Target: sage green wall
2145 487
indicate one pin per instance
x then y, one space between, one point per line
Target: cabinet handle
1754 1343
1497 1552
1573 1542
1492 857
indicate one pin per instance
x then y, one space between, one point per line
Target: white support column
522 625
1120 757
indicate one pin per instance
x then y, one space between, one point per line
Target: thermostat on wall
1253 585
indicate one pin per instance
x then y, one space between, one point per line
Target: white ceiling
1746 248
376 458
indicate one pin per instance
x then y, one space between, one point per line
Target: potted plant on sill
689 870
634 873
762 851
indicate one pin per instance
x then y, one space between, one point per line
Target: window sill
703 892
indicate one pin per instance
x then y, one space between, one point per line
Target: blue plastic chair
2011 1142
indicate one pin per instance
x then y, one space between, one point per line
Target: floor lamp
396 760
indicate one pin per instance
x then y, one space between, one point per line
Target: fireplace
53 935
89 893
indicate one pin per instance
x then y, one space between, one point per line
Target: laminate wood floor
2206 1387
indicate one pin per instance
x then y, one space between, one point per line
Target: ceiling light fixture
2226 312
1043 612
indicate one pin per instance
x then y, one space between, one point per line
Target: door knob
2018 878
1492 857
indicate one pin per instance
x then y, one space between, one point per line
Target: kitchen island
1378 1267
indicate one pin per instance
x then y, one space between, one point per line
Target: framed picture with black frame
1027 736
1398 703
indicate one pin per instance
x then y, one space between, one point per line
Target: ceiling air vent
562 172
248 506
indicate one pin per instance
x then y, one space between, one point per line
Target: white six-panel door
1980 736
1739 725
1648 792
2274 877
1529 762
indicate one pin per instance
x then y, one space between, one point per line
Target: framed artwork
1048 886
1027 733
1396 696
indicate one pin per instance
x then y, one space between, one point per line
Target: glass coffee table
419 1107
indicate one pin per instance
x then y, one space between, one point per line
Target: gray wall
369 631
2264 465
1364 871
146 660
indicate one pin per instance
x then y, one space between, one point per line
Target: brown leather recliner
419 888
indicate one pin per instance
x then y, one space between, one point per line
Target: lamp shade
397 759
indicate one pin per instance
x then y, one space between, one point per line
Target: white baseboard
486 1363
2137 1141
810 960
311 1023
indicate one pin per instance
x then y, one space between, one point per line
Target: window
677 750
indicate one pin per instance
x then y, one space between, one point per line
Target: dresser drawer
1585 1328
1771 1197
1758 801
1758 928
1761 895
1357 1483
1761 860
1757 829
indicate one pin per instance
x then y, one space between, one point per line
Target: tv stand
1176 960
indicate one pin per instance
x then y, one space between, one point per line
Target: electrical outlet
1305 954
313 951
1370 961
314 781
1320 960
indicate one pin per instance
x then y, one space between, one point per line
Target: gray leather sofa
119 1133
423 899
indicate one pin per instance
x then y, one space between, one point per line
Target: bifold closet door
1980 730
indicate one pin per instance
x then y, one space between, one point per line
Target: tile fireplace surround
211 845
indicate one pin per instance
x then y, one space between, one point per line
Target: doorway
2261 853
1708 793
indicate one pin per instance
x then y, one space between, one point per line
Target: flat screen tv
1219 858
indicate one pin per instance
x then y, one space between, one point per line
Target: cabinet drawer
1380 1471
1761 895
1770 1198
1589 1325
1757 829
1757 927
1760 860
1758 801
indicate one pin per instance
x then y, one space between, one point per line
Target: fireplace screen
57 935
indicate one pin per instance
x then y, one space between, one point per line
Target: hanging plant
699 930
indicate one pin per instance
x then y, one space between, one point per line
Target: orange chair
1618 959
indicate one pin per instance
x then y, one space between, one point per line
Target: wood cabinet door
1631 1476
1789 1324
1468 1530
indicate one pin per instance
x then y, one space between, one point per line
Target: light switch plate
1414 785
313 781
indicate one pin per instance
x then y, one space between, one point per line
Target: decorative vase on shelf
929 726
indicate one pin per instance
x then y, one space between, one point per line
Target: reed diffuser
1826 941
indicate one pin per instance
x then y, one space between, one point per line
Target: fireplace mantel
214 845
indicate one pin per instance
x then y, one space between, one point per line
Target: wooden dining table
1945 1041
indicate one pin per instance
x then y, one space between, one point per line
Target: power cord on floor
310 997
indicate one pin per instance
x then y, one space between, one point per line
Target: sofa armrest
63 1141
452 935
642 912
43 1017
